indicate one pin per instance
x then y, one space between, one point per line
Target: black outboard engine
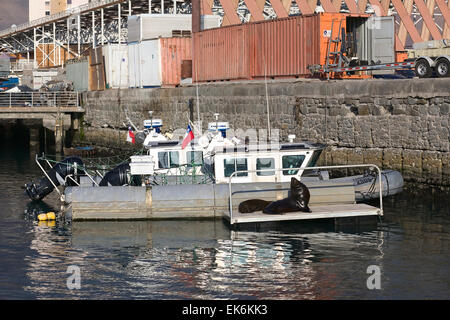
117 176
37 191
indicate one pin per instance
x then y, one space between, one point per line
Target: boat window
174 159
168 160
294 161
163 160
194 157
264 164
314 158
232 165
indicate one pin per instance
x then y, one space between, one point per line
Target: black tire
423 69
442 68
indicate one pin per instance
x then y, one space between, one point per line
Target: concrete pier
57 120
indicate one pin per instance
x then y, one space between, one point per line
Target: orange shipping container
173 52
274 48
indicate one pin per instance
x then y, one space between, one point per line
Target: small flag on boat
188 137
130 136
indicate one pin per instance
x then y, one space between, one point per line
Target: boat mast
199 127
267 100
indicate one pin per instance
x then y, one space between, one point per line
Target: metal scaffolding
73 31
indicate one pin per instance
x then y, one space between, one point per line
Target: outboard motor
58 174
117 176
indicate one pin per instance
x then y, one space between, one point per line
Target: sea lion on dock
298 200
253 205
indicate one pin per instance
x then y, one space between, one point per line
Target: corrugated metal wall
275 48
285 47
77 71
222 54
278 48
172 52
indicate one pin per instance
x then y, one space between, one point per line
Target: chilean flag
188 137
130 136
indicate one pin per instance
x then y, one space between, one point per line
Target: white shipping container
144 64
116 65
152 26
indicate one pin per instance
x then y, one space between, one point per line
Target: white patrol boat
169 181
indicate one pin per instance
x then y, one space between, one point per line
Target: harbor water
205 260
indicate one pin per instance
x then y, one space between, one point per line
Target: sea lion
253 205
298 200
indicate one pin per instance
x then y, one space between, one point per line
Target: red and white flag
188 137
130 136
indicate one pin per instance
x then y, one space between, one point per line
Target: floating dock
318 212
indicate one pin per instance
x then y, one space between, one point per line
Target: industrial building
38 9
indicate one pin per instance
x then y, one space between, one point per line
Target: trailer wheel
442 68
423 69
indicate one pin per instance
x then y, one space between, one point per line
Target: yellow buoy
51 216
42 217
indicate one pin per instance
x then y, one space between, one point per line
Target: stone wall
398 124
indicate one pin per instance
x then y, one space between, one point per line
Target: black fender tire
423 69
442 68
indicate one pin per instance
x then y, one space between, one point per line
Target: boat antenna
151 117
216 115
267 99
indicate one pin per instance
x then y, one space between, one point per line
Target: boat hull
212 200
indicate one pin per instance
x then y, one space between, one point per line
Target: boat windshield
314 158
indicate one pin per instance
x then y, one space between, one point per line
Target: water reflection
197 260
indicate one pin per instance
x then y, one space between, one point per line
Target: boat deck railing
230 180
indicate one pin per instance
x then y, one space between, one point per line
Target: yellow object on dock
47 216
51 216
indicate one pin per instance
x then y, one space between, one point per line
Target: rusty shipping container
273 48
222 53
173 52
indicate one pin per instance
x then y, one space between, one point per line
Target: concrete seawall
398 124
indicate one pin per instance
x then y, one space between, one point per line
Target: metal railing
305 168
39 99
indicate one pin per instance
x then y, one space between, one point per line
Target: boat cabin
169 159
287 156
